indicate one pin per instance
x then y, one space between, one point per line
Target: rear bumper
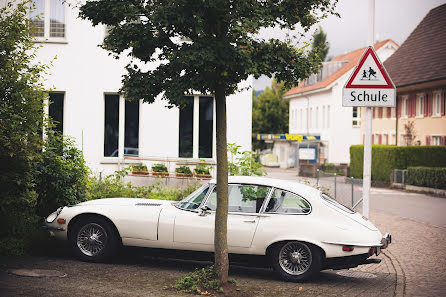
386 240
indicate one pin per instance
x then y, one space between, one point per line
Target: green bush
138 167
427 177
385 158
199 281
63 175
202 168
159 168
184 170
21 123
113 187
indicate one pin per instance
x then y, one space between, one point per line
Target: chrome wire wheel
295 258
91 239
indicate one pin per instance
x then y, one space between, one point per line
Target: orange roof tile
353 58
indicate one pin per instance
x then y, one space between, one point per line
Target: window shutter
380 139
443 102
373 112
428 140
443 140
426 104
399 102
430 104
412 105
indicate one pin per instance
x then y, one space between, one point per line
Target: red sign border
370 51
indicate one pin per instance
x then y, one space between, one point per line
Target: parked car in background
300 229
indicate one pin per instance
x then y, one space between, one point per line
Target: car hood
126 202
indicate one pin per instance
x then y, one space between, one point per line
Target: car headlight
54 215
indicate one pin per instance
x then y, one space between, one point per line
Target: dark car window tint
242 198
286 202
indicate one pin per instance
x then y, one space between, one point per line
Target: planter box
208 176
179 174
161 174
140 173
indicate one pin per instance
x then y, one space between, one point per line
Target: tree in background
270 113
206 46
21 123
320 43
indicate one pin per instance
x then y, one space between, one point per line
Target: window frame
208 187
356 119
46 38
436 105
437 137
266 202
404 107
420 106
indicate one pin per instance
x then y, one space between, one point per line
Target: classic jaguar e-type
299 228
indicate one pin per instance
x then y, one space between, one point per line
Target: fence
345 190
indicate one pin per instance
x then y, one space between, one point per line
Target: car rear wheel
295 261
94 239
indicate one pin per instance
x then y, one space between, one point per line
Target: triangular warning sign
369 73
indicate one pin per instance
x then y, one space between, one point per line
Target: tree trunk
221 215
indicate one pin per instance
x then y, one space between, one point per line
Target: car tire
295 261
94 239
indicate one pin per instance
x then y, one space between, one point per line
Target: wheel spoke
295 258
91 239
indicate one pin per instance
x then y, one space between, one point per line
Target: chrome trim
354 244
282 213
50 228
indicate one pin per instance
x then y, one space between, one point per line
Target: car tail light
347 248
61 221
371 251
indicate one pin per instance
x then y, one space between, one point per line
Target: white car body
162 224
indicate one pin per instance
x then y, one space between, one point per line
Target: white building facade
316 106
84 82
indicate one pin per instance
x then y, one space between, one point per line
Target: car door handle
249 221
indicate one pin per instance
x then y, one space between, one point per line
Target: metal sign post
369 86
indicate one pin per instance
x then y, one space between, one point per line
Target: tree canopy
320 43
270 112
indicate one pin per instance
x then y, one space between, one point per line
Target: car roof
289 185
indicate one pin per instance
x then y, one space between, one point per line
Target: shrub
21 122
62 177
184 170
138 167
427 177
199 281
202 168
385 158
159 168
243 163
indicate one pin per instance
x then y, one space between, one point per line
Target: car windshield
193 201
336 203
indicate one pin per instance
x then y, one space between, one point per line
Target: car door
244 204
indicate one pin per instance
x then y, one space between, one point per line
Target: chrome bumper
386 240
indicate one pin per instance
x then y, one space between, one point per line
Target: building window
317 117
55 110
437 104
404 106
323 117
205 142
420 105
196 131
111 129
436 140
131 132
301 119
186 135
356 117
48 18
116 145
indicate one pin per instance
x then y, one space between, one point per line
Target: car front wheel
295 261
94 239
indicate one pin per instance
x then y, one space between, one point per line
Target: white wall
85 72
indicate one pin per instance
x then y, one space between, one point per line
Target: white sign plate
369 84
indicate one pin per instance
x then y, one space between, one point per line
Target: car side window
285 202
242 198
193 201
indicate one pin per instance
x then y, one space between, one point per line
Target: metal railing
345 190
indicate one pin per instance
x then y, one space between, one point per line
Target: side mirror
204 210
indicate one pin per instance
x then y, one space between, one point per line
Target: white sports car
299 228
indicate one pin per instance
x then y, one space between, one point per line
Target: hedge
432 177
385 158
